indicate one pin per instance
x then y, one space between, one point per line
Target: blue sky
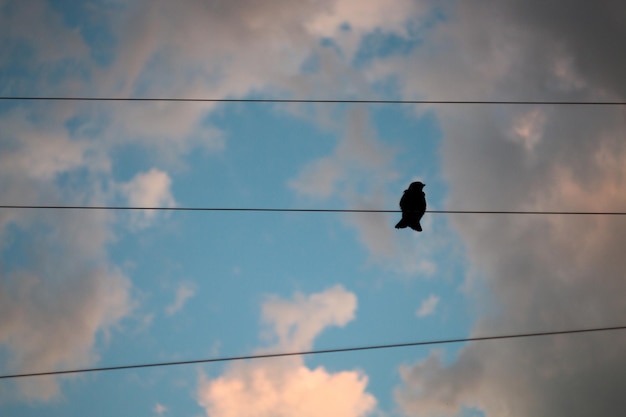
104 288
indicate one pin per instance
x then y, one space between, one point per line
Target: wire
306 210
329 101
316 352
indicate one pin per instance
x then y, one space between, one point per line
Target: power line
311 210
316 352
318 101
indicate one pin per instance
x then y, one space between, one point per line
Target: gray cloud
530 273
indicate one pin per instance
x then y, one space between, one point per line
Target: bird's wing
422 203
403 201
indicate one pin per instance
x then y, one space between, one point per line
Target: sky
98 288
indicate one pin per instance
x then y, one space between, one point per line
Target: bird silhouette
413 206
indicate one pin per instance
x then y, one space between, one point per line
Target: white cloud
428 306
183 293
149 189
38 147
319 178
160 409
271 391
357 172
287 387
297 322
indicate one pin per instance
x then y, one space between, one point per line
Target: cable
315 352
328 101
306 210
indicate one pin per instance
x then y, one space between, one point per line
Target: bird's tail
416 226
401 224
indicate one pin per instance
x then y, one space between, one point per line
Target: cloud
362 17
540 272
428 306
298 390
257 50
68 292
55 305
183 293
529 273
149 189
295 323
357 172
358 151
160 409
230 49
281 388
53 46
62 292
278 43
360 174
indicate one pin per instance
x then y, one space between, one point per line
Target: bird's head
417 185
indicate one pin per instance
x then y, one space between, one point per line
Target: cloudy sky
105 288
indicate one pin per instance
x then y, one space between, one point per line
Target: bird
413 206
